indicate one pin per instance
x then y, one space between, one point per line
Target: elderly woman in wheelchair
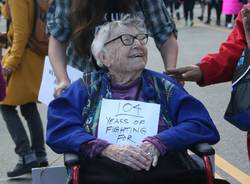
76 118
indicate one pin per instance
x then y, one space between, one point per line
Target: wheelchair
202 150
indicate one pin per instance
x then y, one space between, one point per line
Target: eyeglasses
128 39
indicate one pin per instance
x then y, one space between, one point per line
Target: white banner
49 84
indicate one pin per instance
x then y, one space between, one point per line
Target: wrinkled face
121 58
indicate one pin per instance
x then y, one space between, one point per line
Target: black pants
173 5
188 8
170 169
217 6
18 134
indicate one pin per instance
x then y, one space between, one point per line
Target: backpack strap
243 68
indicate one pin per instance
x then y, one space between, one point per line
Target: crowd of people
229 8
106 40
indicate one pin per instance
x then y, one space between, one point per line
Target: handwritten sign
49 83
127 121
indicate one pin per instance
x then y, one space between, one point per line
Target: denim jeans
18 134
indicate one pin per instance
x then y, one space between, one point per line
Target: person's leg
177 9
218 12
191 11
203 5
16 129
185 9
171 7
31 115
209 8
27 158
229 21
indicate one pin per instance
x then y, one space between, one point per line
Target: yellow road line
218 176
232 170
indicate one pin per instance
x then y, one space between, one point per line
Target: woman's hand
60 87
151 150
7 73
188 73
132 156
245 12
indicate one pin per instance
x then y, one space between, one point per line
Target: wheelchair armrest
71 159
202 149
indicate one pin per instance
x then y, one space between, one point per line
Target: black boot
24 165
200 18
208 21
218 22
44 163
22 169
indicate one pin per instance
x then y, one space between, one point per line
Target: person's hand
182 82
60 87
151 150
132 156
245 12
187 73
6 73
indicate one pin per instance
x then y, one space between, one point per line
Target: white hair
102 36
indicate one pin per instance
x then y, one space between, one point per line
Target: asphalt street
194 42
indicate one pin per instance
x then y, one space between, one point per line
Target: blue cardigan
187 119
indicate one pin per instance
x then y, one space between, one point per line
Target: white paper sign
127 122
48 84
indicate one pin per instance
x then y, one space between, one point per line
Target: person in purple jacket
73 117
2 85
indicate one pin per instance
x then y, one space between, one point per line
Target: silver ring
148 153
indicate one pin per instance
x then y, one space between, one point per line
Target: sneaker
22 169
229 25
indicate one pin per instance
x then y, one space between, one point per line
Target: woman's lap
169 169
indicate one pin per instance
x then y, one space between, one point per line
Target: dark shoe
43 163
22 169
200 18
207 22
218 22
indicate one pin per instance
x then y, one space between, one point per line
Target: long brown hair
86 14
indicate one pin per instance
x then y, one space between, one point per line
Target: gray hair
104 32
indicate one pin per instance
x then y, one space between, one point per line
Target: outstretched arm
220 66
